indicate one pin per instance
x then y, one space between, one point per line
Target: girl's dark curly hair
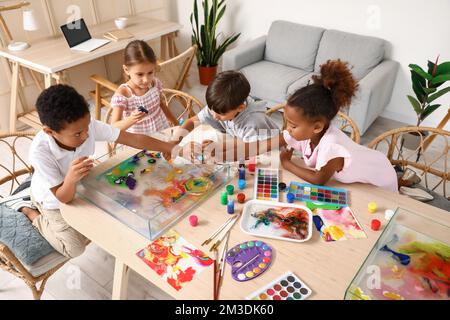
332 90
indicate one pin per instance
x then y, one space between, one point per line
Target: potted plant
204 36
425 86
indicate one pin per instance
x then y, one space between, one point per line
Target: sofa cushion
293 44
300 83
363 53
270 81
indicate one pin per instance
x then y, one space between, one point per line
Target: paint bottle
242 173
241 184
230 207
224 199
290 197
252 165
193 220
230 189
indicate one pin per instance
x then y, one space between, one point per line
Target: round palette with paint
249 259
286 287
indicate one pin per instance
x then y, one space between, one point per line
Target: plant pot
412 140
206 74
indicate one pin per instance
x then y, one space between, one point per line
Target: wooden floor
90 276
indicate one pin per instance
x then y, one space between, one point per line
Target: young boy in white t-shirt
60 154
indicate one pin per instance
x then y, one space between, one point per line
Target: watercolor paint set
320 194
266 184
286 287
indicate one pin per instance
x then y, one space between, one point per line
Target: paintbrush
227 230
222 265
223 234
207 241
215 276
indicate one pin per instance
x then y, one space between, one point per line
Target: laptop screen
76 32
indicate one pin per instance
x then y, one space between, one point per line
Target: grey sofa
283 61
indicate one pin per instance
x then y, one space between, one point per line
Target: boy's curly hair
331 91
60 105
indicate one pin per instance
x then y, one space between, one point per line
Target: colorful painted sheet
337 225
174 259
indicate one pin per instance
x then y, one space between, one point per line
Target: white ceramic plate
248 222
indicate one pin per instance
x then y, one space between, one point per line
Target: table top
326 267
52 54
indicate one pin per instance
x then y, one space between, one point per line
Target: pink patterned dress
155 120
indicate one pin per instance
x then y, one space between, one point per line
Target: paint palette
320 194
286 287
266 184
249 259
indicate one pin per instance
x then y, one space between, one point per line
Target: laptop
78 37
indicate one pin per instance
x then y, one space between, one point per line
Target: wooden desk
51 56
327 268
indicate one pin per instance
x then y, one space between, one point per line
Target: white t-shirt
51 163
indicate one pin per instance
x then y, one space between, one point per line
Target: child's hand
286 155
196 153
79 169
137 116
213 151
173 153
191 151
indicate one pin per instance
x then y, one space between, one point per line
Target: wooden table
51 56
327 268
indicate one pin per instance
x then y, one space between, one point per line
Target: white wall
417 30
93 11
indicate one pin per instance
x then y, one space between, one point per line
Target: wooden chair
15 174
346 123
433 159
172 73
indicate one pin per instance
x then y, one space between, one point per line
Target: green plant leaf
204 33
438 94
428 110
418 84
420 71
416 104
441 78
430 66
196 17
443 68
221 13
205 48
429 90
224 46
206 15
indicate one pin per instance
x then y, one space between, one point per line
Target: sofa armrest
245 54
375 91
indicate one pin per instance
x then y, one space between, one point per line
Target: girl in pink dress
137 104
325 148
